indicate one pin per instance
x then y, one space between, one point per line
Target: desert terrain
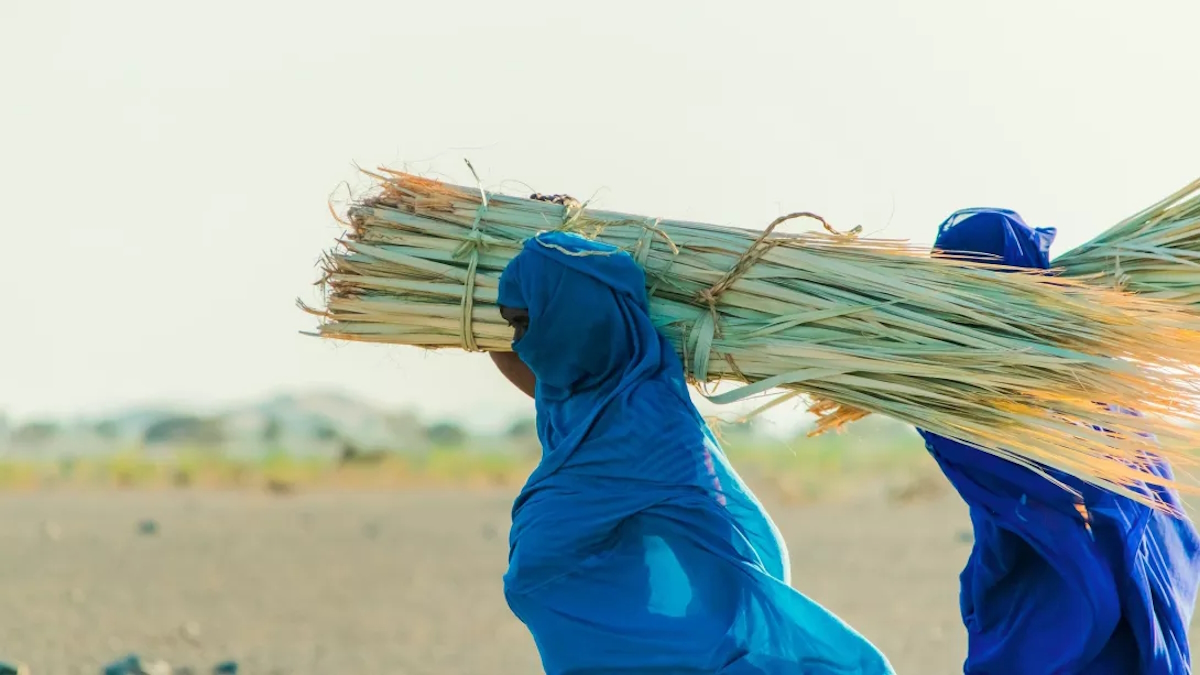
400 582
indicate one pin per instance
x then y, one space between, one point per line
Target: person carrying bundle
635 547
1089 583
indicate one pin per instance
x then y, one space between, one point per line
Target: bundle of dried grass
1155 252
1033 368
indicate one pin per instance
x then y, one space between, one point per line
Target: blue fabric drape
1044 590
635 547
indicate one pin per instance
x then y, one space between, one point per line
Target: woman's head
578 310
997 236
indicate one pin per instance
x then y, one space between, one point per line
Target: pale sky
165 165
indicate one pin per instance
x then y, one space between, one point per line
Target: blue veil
635 547
1091 583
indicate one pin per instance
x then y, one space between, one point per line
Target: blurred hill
309 424
303 440
326 425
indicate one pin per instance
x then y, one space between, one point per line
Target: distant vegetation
319 425
287 445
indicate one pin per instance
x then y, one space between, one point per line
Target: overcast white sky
165 165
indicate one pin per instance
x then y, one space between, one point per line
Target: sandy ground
396 583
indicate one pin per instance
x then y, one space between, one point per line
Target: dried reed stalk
1155 252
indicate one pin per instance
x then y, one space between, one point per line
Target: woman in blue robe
635 547
1059 583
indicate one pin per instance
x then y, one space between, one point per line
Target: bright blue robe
635 547
1049 587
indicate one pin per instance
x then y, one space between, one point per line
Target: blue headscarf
1089 583
635 547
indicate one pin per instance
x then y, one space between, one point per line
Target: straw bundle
1155 252
1013 364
